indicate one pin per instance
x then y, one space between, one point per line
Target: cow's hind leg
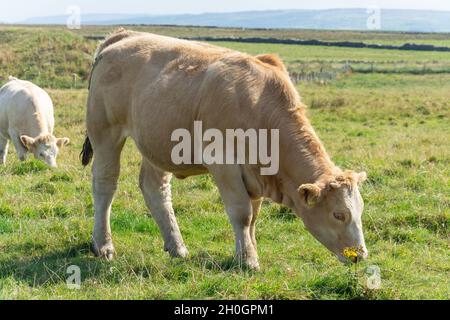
155 186
3 149
107 145
240 211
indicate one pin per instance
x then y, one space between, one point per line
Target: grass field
394 126
395 38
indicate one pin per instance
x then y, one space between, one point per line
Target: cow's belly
156 115
159 153
153 138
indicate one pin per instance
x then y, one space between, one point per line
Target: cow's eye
339 216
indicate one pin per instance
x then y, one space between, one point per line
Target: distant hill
335 19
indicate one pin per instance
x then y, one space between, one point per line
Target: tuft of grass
44 187
61 177
6 211
30 167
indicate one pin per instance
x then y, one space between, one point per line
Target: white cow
26 118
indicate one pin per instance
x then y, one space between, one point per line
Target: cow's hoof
253 264
249 262
105 252
178 252
108 255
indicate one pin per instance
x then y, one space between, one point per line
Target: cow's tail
87 152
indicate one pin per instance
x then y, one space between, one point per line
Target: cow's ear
61 142
27 141
310 194
361 177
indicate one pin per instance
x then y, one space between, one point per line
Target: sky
17 10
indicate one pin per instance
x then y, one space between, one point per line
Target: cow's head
332 209
44 147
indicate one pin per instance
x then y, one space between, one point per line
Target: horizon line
225 12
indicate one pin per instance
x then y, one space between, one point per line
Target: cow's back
131 67
151 85
145 74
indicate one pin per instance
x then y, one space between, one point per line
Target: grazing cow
145 86
26 118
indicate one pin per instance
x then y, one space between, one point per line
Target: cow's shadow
219 262
50 268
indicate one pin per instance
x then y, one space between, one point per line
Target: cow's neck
306 159
303 159
39 125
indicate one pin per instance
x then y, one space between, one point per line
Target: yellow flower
350 252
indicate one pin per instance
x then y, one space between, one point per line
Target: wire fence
324 71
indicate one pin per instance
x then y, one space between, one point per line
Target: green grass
50 58
58 58
293 53
394 126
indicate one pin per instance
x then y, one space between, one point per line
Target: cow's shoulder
272 60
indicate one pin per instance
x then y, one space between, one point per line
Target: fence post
74 80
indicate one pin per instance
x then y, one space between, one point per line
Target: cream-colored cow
26 118
146 86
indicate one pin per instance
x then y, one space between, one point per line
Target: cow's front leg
18 145
256 207
155 186
239 209
3 150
